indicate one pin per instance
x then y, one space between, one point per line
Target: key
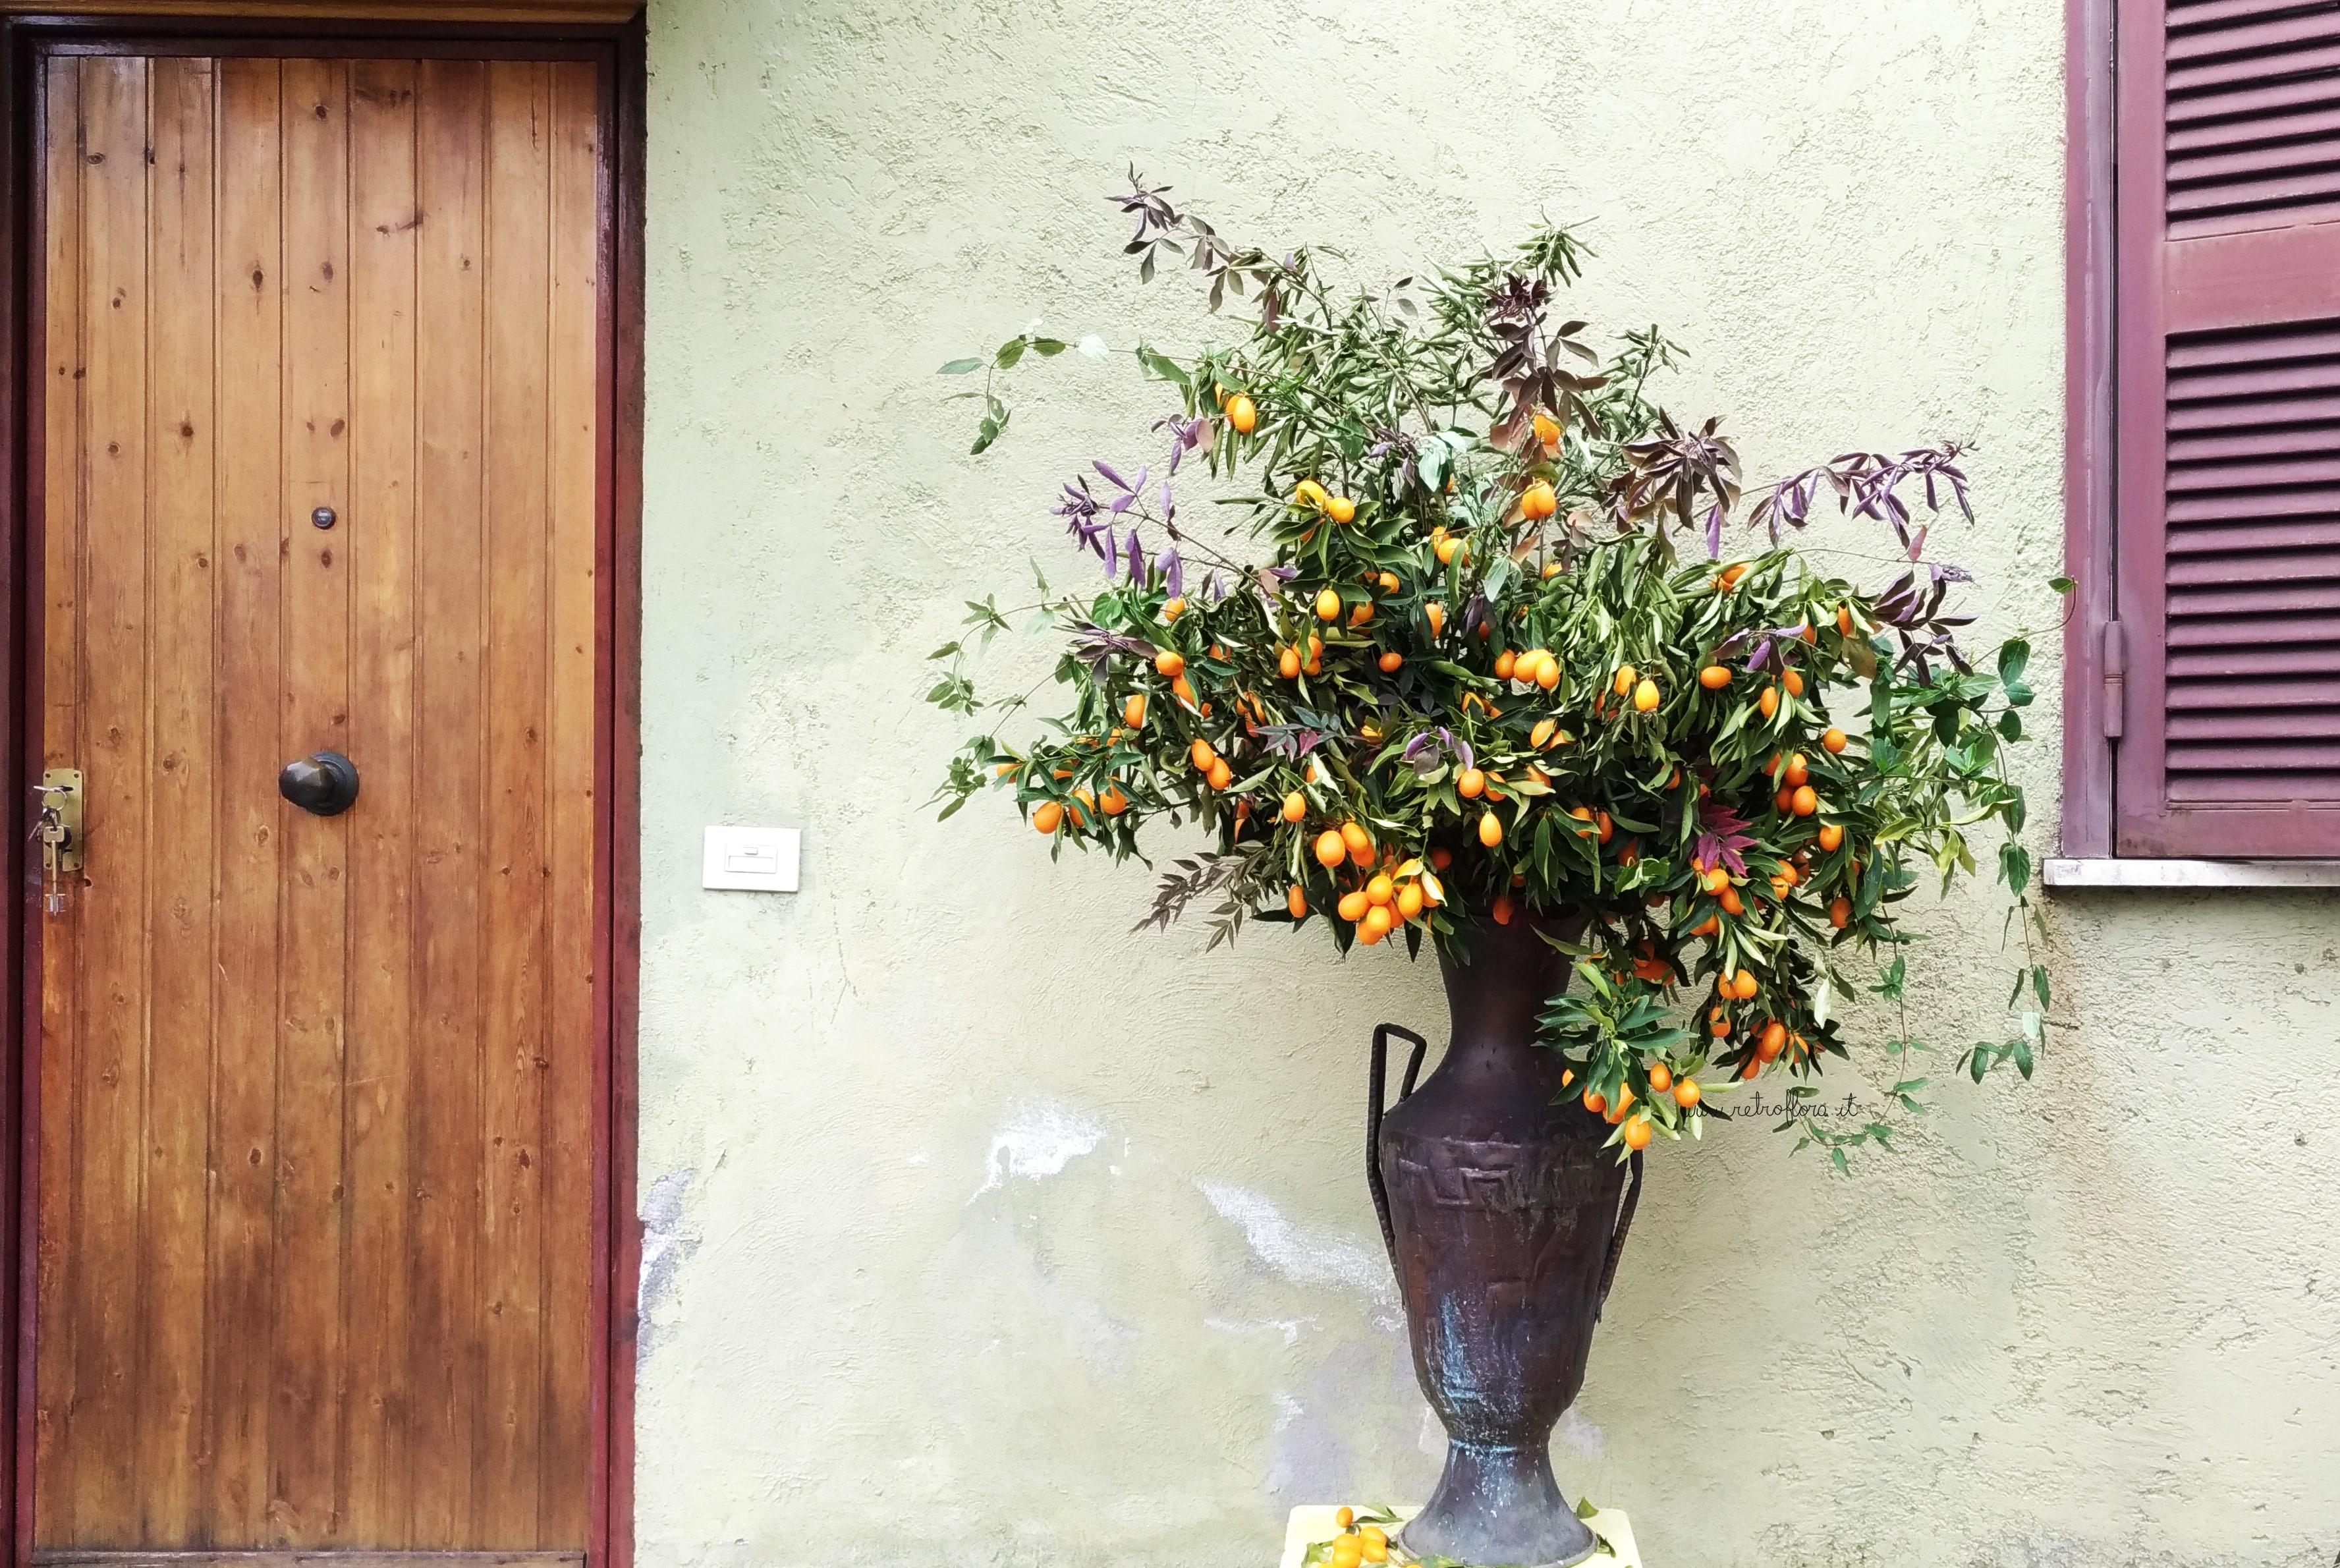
52 834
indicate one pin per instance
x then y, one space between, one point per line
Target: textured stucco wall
981 1231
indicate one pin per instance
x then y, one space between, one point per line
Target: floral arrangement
1471 635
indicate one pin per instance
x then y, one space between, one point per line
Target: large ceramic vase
1500 1209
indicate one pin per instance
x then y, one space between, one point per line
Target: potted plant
1475 661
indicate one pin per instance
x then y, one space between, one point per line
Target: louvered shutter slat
2217 695
2229 491
2234 104
2214 136
2270 444
2262 566
2229 506
2207 665
2221 12
2249 631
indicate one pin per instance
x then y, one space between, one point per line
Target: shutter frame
2240 511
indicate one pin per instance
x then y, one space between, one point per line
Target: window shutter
2228 405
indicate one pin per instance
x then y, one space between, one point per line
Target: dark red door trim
25 41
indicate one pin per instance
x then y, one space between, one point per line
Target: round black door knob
323 783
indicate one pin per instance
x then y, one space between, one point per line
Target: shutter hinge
2116 668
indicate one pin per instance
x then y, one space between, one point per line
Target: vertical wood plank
104 1230
512 1064
379 538
305 1437
178 845
446 1369
62 745
569 1080
249 310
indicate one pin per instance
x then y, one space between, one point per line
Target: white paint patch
1582 1435
1289 1327
1038 1141
1316 1257
1431 1439
664 1249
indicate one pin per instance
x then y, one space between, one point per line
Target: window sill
2190 874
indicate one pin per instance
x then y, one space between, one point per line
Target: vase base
1497 1506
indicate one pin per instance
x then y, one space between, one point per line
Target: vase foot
1499 1508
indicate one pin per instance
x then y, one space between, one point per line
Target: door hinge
2115 663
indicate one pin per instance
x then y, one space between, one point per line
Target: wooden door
317 1094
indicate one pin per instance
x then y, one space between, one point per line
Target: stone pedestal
1313 1522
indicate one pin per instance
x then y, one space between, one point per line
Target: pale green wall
984 1232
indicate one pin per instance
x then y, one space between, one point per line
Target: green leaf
1009 352
1162 367
2015 867
2014 654
945 652
990 430
2039 985
1498 575
2062 584
960 367
1894 974
1430 464
1049 348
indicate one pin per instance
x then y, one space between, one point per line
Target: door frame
26 41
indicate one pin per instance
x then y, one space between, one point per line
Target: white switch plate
753 859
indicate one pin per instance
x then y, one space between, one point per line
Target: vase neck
1496 997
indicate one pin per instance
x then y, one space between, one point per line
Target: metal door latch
56 828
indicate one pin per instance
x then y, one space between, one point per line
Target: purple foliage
1289 741
1430 749
1722 839
1080 509
1093 645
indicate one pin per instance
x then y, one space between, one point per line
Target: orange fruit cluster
1354 1546
1381 892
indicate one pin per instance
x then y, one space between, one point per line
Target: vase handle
1373 1120
1617 1238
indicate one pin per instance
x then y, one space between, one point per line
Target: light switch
752 859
